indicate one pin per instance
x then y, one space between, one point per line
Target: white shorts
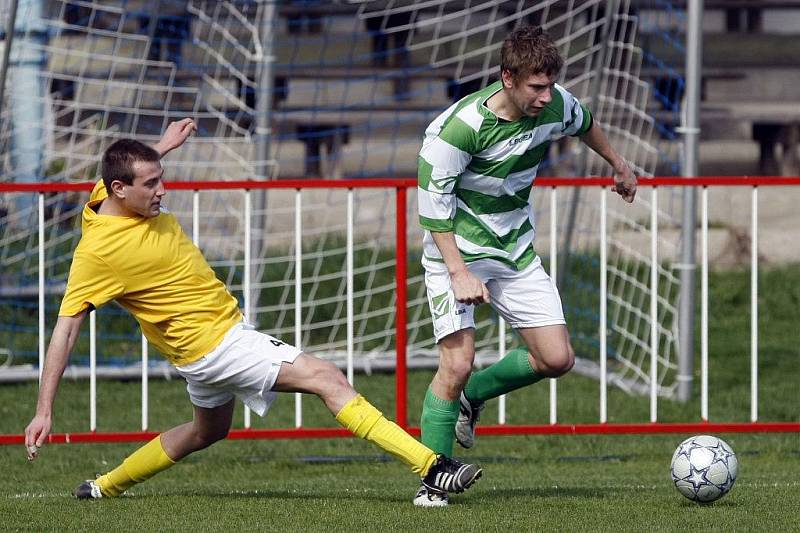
526 298
245 365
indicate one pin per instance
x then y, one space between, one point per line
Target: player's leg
441 405
529 301
550 353
207 427
454 329
311 375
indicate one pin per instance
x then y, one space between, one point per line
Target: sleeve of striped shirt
577 118
442 159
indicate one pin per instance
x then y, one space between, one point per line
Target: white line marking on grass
38 495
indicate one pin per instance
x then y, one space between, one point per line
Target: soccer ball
704 468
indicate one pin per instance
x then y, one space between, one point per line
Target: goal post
329 90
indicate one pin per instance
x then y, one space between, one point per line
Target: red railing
401 186
366 183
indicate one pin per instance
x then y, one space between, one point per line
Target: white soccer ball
704 468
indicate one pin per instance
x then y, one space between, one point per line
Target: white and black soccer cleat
468 415
450 475
88 490
430 498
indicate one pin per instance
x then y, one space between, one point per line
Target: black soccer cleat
88 490
450 475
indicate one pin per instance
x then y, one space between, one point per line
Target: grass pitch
530 483
535 483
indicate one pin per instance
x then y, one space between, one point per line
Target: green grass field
542 483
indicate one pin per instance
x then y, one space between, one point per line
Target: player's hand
35 435
468 289
176 134
625 182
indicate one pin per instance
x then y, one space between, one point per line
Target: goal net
320 90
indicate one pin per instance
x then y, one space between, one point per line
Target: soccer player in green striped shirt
476 170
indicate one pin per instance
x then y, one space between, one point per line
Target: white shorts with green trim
525 298
245 365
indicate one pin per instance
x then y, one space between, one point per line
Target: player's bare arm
175 135
62 341
467 288
624 179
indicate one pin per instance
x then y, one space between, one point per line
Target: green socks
438 422
439 416
510 373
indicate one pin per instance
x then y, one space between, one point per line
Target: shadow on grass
356 495
547 492
719 504
327 459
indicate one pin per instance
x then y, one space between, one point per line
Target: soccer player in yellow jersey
134 252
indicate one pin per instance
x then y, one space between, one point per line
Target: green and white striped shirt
476 173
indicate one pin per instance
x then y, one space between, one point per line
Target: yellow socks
358 415
365 421
141 465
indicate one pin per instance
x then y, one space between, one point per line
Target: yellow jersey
154 271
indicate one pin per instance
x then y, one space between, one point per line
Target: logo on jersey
440 305
516 140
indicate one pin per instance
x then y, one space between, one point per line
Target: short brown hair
529 50
119 158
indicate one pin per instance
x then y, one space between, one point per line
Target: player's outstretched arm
175 135
62 341
624 179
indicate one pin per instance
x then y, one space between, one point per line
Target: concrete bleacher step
149 93
362 98
371 156
377 154
360 92
125 54
765 82
97 53
734 50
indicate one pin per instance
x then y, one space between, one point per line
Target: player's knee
569 360
328 371
218 435
329 379
457 370
557 364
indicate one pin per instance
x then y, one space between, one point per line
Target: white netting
311 88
